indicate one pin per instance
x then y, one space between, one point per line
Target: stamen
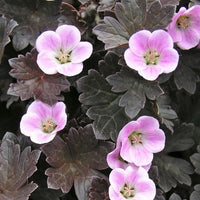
127 191
135 138
48 126
151 57
63 57
183 22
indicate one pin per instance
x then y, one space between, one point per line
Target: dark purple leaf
195 159
169 2
33 17
15 169
73 159
99 189
108 117
32 82
132 16
165 112
175 196
105 5
136 90
195 194
6 27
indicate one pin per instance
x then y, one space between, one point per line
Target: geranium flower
61 51
131 184
185 27
115 160
42 122
151 54
140 139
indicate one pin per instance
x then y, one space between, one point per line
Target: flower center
151 57
183 22
48 126
128 191
135 138
63 57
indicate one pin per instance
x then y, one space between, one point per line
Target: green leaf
15 169
136 90
73 158
32 82
108 117
195 159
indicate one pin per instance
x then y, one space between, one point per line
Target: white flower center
48 126
135 138
64 57
183 22
151 57
128 191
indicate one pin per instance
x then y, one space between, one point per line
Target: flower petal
81 52
190 39
151 72
160 40
48 41
47 62
59 115
169 60
42 110
70 36
117 179
138 42
30 122
154 141
133 61
40 138
114 195
148 123
70 69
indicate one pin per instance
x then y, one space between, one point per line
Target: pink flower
140 139
131 184
115 160
42 122
61 51
185 27
151 54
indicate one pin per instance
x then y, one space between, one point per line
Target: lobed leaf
108 117
175 196
15 169
195 194
105 5
136 90
32 82
73 158
195 159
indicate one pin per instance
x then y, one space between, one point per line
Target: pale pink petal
146 187
134 175
40 138
81 52
70 69
114 195
151 72
29 123
59 115
190 39
70 36
194 14
169 60
160 40
136 154
133 61
138 42
140 197
148 123
116 179
154 141
47 62
48 41
41 109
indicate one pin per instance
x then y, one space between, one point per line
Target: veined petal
160 40
138 42
133 61
47 62
48 41
81 52
70 36
151 72
114 195
169 60
41 138
70 69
